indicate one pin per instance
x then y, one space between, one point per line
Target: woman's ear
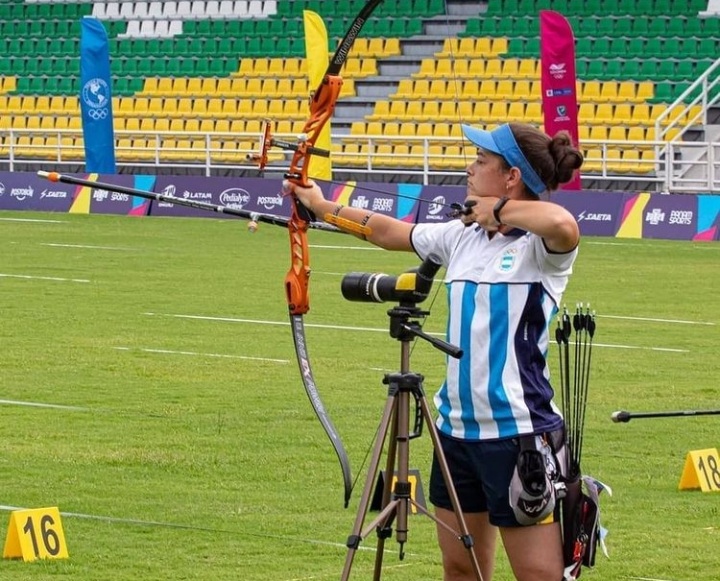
514 178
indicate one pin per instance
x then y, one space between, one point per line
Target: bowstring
456 84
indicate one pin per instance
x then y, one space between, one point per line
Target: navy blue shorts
481 473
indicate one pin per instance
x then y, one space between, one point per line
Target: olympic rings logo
98 114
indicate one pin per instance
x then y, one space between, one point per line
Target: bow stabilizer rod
198 205
625 416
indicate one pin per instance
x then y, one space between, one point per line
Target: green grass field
150 391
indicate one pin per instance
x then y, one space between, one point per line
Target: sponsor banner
105 202
251 194
557 79
397 200
27 191
670 216
435 207
96 97
597 214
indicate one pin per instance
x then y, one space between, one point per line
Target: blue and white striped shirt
502 294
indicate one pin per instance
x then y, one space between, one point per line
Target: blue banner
96 98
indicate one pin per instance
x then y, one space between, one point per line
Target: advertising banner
597 214
96 97
251 194
558 79
27 191
436 201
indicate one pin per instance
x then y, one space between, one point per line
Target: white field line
43 405
331 247
198 354
649 579
33 220
372 330
696 245
150 523
654 320
90 247
52 278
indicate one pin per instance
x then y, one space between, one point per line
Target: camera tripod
396 499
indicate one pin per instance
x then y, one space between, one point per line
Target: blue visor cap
502 141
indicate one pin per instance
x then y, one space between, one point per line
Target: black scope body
412 286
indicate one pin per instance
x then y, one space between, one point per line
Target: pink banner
557 66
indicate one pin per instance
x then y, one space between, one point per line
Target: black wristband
499 206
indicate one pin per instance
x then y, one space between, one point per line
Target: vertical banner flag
96 98
558 81
316 56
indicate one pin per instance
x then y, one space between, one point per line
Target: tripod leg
465 536
384 529
357 534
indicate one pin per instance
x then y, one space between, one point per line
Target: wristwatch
499 206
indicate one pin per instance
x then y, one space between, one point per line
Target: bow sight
412 286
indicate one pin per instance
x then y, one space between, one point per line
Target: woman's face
487 175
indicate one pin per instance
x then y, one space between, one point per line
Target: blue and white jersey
502 294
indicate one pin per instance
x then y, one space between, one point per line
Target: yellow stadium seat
627 91
645 91
397 109
623 114
481 112
276 67
493 69
533 113
598 133
465 111
179 85
392 47
521 91
636 134
498 46
640 115
253 87
510 68
431 110
194 86
404 90
498 112
604 113
527 69
617 133
412 110
486 90
593 160
447 111
608 91
504 90
591 91
516 111
438 89
380 111
484 47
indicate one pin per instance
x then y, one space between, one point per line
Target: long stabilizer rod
256 216
623 416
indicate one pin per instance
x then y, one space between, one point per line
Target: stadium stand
193 80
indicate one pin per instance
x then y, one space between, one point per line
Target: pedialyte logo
96 95
508 260
235 198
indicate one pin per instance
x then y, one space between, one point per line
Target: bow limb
322 106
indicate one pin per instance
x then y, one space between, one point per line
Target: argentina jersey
502 295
